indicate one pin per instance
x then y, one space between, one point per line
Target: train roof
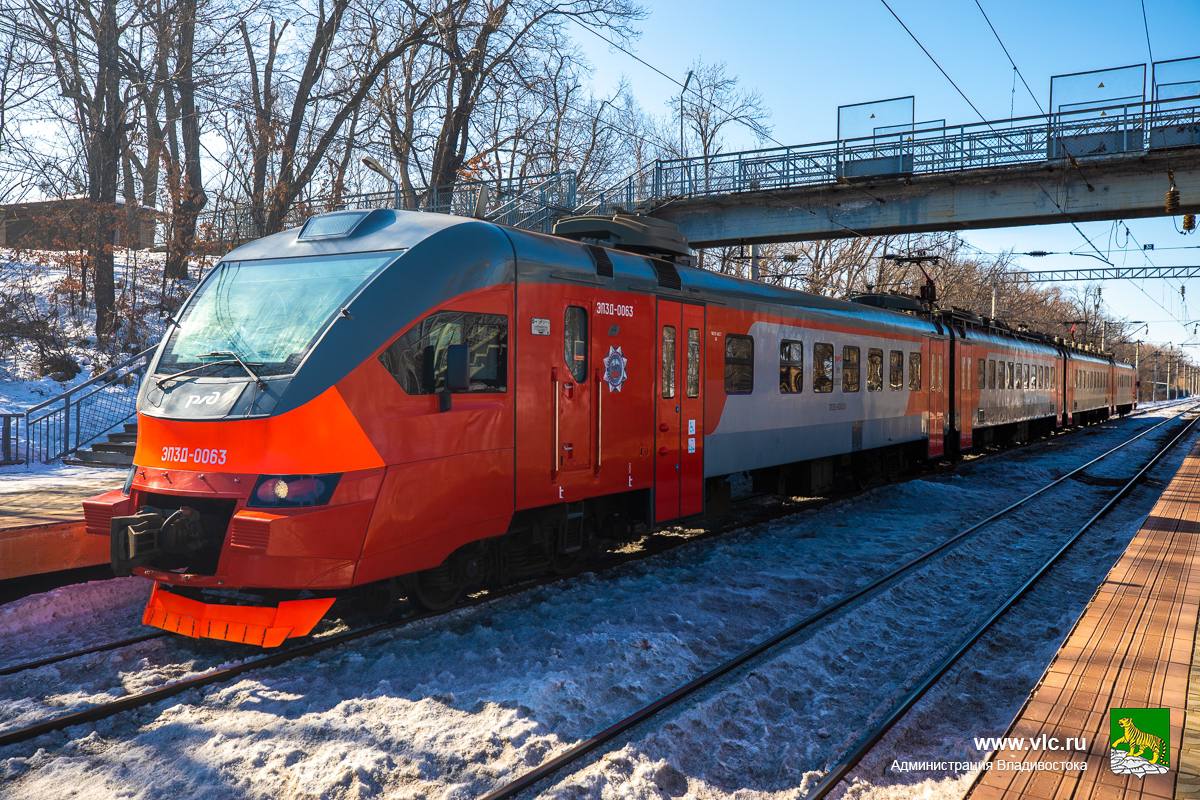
558 258
365 231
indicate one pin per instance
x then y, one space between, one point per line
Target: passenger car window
874 370
851 373
991 373
739 364
668 362
982 367
914 372
693 362
896 370
822 367
791 366
417 360
575 338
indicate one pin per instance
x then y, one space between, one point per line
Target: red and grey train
422 404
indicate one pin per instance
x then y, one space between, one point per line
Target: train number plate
194 455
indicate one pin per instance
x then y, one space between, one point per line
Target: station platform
1134 647
41 520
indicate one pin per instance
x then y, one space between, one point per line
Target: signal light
291 491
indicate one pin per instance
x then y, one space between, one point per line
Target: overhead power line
1008 55
975 108
757 129
1146 28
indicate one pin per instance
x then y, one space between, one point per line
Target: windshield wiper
230 355
232 358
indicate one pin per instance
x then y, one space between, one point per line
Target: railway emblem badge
614 369
1140 741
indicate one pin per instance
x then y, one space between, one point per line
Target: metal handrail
61 425
93 380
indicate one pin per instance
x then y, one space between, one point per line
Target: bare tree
83 40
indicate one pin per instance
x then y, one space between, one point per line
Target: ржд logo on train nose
209 399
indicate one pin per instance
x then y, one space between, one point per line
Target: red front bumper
264 626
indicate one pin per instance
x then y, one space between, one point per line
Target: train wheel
439 588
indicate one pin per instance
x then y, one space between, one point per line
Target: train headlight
290 491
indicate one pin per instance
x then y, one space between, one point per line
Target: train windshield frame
269 312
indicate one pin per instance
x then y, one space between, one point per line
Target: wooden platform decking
41 521
1135 646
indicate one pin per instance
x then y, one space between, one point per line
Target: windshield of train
268 313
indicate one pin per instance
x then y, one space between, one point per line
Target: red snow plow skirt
265 626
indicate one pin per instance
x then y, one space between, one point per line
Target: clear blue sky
808 57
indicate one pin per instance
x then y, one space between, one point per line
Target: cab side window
575 339
417 360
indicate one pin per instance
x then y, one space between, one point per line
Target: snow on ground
56 475
451 707
45 286
70 617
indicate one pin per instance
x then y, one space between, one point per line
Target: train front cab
341 460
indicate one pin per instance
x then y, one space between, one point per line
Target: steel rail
83 651
105 710
577 751
849 761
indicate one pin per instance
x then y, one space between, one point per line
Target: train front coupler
153 534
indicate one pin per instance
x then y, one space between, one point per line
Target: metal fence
62 425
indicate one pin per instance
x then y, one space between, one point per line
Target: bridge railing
624 194
537 206
235 222
77 417
1099 130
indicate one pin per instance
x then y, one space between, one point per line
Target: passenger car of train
422 404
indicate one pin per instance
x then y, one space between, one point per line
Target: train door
679 417
572 393
937 396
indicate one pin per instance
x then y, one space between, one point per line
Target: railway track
654 546
573 756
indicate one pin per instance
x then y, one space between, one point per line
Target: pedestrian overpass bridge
1113 162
